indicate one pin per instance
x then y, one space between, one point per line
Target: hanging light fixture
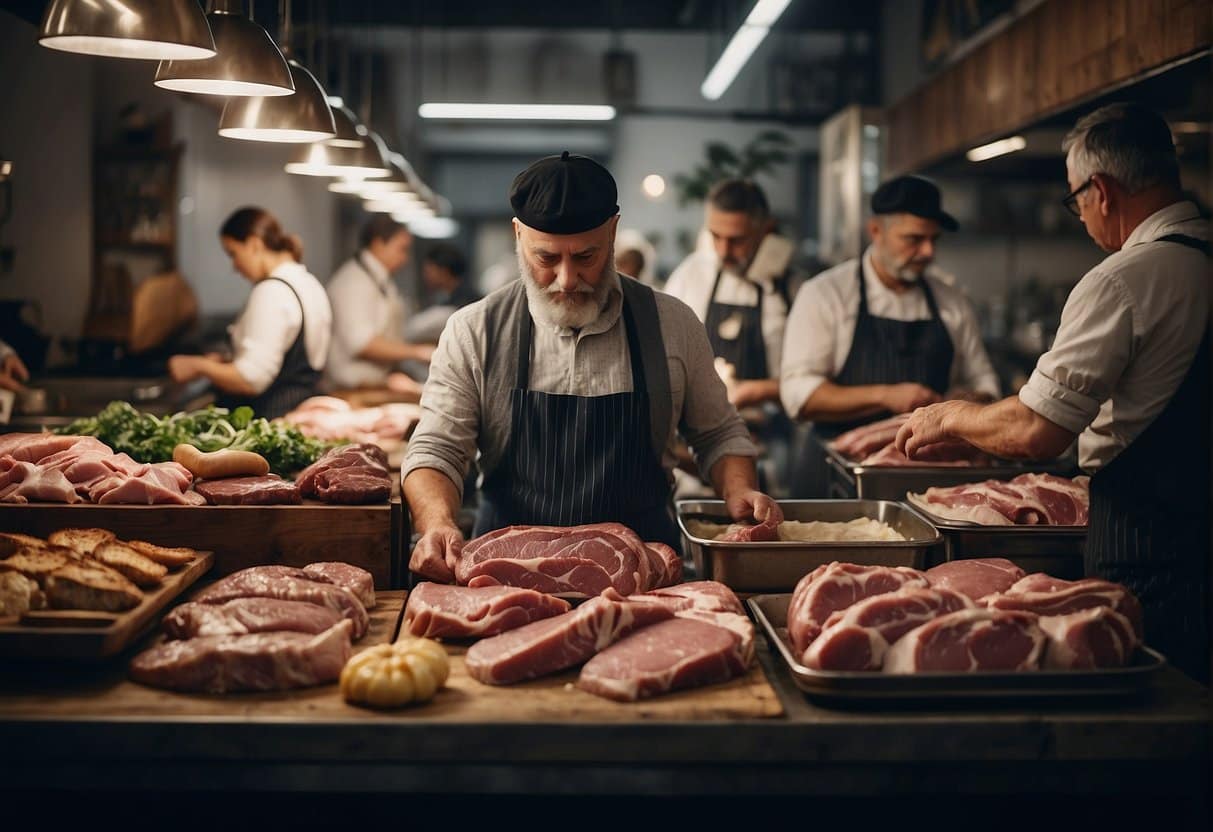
164 30
350 131
322 159
248 62
302 117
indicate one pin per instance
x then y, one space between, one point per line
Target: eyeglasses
1071 199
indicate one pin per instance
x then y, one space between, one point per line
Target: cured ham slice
1095 637
34 447
1029 499
23 482
970 640
1046 596
975 578
442 611
285 584
837 586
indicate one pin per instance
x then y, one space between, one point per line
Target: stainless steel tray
770 611
1034 548
778 565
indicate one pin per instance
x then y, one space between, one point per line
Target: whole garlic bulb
392 675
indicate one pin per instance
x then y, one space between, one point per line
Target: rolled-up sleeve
1093 346
445 438
710 425
808 348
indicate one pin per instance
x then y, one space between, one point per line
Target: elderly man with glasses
1128 375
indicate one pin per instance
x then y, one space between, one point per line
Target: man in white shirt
1129 375
369 311
881 335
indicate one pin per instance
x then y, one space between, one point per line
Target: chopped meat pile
330 419
349 475
1027 500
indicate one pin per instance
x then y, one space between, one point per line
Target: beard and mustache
572 310
909 271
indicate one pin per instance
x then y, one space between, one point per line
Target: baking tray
1033 548
770 611
777 565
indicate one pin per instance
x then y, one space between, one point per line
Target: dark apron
1149 523
579 459
296 379
883 351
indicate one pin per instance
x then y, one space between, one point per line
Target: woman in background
281 339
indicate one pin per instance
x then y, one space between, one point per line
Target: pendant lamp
164 30
248 62
322 159
350 132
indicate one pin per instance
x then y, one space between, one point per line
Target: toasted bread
161 554
83 541
142 570
11 543
36 563
19 595
90 586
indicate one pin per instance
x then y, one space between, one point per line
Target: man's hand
436 554
753 505
926 426
184 368
13 373
902 398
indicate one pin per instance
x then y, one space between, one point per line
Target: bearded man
570 384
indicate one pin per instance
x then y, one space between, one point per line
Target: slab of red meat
354 578
280 582
1095 637
1029 499
977 577
557 643
665 565
1066 501
667 656
248 615
940 455
258 661
970 640
712 596
741 533
444 611
1045 595
349 475
837 586
270 490
575 561
867 439
858 637
24 482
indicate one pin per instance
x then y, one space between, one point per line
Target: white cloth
366 303
1129 331
270 322
821 327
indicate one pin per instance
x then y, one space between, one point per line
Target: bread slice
161 554
83 541
142 570
37 564
19 595
90 586
11 543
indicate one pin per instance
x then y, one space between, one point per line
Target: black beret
565 194
912 195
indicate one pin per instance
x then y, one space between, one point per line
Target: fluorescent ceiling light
518 112
433 228
998 148
745 40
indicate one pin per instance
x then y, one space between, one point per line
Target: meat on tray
241 616
1094 638
356 579
970 640
872 445
288 584
270 490
330 418
443 611
976 577
254 662
349 475
1029 499
665 565
836 586
1045 595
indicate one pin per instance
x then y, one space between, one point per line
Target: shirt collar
376 269
289 269
610 313
1162 222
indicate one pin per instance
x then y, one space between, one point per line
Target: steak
356 580
975 578
349 475
258 661
666 656
858 637
665 565
283 583
1046 596
557 643
248 615
712 596
742 533
442 611
969 640
1027 500
837 586
270 490
1095 637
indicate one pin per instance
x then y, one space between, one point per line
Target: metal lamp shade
164 30
369 161
349 132
248 63
302 117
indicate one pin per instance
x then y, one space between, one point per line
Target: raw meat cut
34 447
954 454
575 561
330 418
355 579
443 611
670 655
269 490
865 440
975 578
248 615
1095 637
349 475
712 596
279 582
742 533
858 637
557 643
665 565
22 482
1045 595
969 640
837 586
258 661
1029 499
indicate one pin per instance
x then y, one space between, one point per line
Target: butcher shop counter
104 735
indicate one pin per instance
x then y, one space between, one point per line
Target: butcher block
240 536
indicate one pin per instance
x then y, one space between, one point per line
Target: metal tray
778 565
771 613
1057 550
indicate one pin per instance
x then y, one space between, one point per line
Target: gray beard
902 272
548 311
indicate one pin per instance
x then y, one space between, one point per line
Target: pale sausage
219 464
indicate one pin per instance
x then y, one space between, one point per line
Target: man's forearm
388 351
732 474
842 403
756 391
433 499
1007 429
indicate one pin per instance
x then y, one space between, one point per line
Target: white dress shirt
821 327
1129 331
270 322
366 303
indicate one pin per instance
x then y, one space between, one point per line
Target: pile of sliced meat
349 475
1027 500
872 445
44 467
970 615
264 628
332 419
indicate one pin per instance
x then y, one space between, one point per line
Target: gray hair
1127 142
740 196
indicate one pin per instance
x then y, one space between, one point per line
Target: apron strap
1185 240
522 379
362 266
642 303
863 292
